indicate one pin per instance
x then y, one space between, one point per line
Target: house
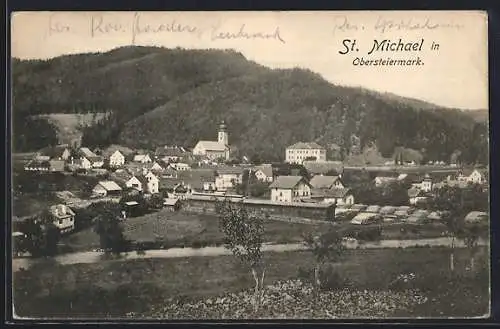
339 196
475 177
385 179
106 188
117 159
301 151
290 189
171 204
83 163
142 158
148 183
426 184
198 179
416 195
170 153
58 152
64 217
215 149
179 166
227 178
264 173
324 168
96 161
326 182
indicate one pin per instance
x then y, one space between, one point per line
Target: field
68 125
145 286
182 229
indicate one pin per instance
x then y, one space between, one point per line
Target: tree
155 201
324 247
110 231
41 235
243 235
470 234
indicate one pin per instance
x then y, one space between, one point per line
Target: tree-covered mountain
160 96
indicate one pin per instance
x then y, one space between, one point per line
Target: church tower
223 136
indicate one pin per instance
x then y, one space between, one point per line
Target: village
180 178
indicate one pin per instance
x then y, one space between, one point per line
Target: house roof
336 192
320 181
170 151
96 158
230 170
140 157
323 167
110 185
85 151
267 170
169 183
212 146
53 151
38 163
113 148
305 145
61 210
286 182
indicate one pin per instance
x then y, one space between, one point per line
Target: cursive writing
385 25
342 24
139 27
56 26
217 34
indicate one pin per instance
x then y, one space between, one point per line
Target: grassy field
114 288
182 229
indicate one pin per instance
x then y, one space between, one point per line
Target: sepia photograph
248 165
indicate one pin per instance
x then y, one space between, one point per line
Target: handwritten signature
100 25
385 25
341 23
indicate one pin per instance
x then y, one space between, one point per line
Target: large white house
117 159
148 183
228 178
290 189
215 150
64 217
302 151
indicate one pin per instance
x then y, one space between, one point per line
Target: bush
330 278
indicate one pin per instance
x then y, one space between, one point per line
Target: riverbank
144 287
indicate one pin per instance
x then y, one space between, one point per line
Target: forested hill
173 96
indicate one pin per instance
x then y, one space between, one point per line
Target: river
89 257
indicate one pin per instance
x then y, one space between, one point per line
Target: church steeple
223 136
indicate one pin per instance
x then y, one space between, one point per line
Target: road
95 257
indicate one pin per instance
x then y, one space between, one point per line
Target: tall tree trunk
317 280
258 289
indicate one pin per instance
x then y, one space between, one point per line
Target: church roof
212 146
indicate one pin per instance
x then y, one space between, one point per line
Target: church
215 149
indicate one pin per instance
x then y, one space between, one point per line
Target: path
95 257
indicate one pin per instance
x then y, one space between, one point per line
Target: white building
148 183
264 173
228 178
142 158
290 189
301 151
180 166
105 188
64 217
215 150
117 159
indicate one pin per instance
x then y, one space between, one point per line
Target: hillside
173 96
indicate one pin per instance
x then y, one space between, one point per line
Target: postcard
250 165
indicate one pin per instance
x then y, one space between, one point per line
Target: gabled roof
85 151
230 170
331 193
305 145
61 210
109 185
287 182
113 148
170 151
38 163
140 157
267 170
414 192
326 182
323 167
53 151
169 183
170 201
212 146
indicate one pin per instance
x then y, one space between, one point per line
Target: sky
451 46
